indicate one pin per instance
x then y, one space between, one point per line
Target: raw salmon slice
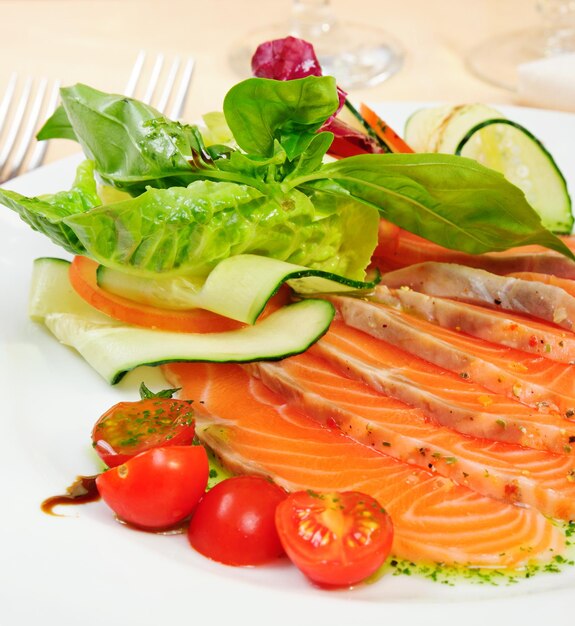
507 472
398 248
534 381
501 327
547 302
565 283
445 397
253 430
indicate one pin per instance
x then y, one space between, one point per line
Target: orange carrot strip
391 139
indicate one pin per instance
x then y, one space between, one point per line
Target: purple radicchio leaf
290 58
287 59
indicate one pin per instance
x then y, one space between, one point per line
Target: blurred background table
97 41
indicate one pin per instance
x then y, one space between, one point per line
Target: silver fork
162 92
23 109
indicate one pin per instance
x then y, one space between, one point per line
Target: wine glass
357 55
496 60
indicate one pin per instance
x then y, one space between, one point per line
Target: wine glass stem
311 19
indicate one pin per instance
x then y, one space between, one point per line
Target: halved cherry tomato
129 428
234 522
157 489
83 279
335 539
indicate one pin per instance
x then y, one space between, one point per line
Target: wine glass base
496 60
358 56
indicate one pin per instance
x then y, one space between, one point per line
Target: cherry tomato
156 489
335 539
129 428
234 522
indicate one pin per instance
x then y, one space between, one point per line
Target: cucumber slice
238 287
113 348
47 286
509 148
422 126
482 133
439 129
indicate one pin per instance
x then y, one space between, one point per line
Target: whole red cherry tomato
234 522
129 428
158 488
335 539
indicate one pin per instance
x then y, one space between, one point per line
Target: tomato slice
234 522
129 428
83 280
335 539
157 489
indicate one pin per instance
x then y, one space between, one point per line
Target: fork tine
155 82
16 125
40 147
27 134
180 99
135 74
170 80
7 100
19 146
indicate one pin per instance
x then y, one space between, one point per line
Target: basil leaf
148 394
132 144
254 166
450 200
311 159
260 111
57 126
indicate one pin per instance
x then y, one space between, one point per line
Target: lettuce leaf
189 230
47 213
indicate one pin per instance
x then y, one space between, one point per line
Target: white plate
86 569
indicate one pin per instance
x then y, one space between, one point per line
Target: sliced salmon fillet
398 248
507 472
501 327
445 397
535 381
566 284
541 300
253 430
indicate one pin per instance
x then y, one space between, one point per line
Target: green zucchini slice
238 287
113 348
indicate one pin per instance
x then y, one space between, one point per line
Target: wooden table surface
97 41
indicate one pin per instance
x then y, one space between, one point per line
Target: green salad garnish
267 191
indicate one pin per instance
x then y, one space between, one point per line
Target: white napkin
549 82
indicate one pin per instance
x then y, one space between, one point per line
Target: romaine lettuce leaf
47 213
189 230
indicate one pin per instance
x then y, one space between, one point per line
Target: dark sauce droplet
81 491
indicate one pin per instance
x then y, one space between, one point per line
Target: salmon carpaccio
504 471
254 430
445 396
535 381
399 248
515 330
